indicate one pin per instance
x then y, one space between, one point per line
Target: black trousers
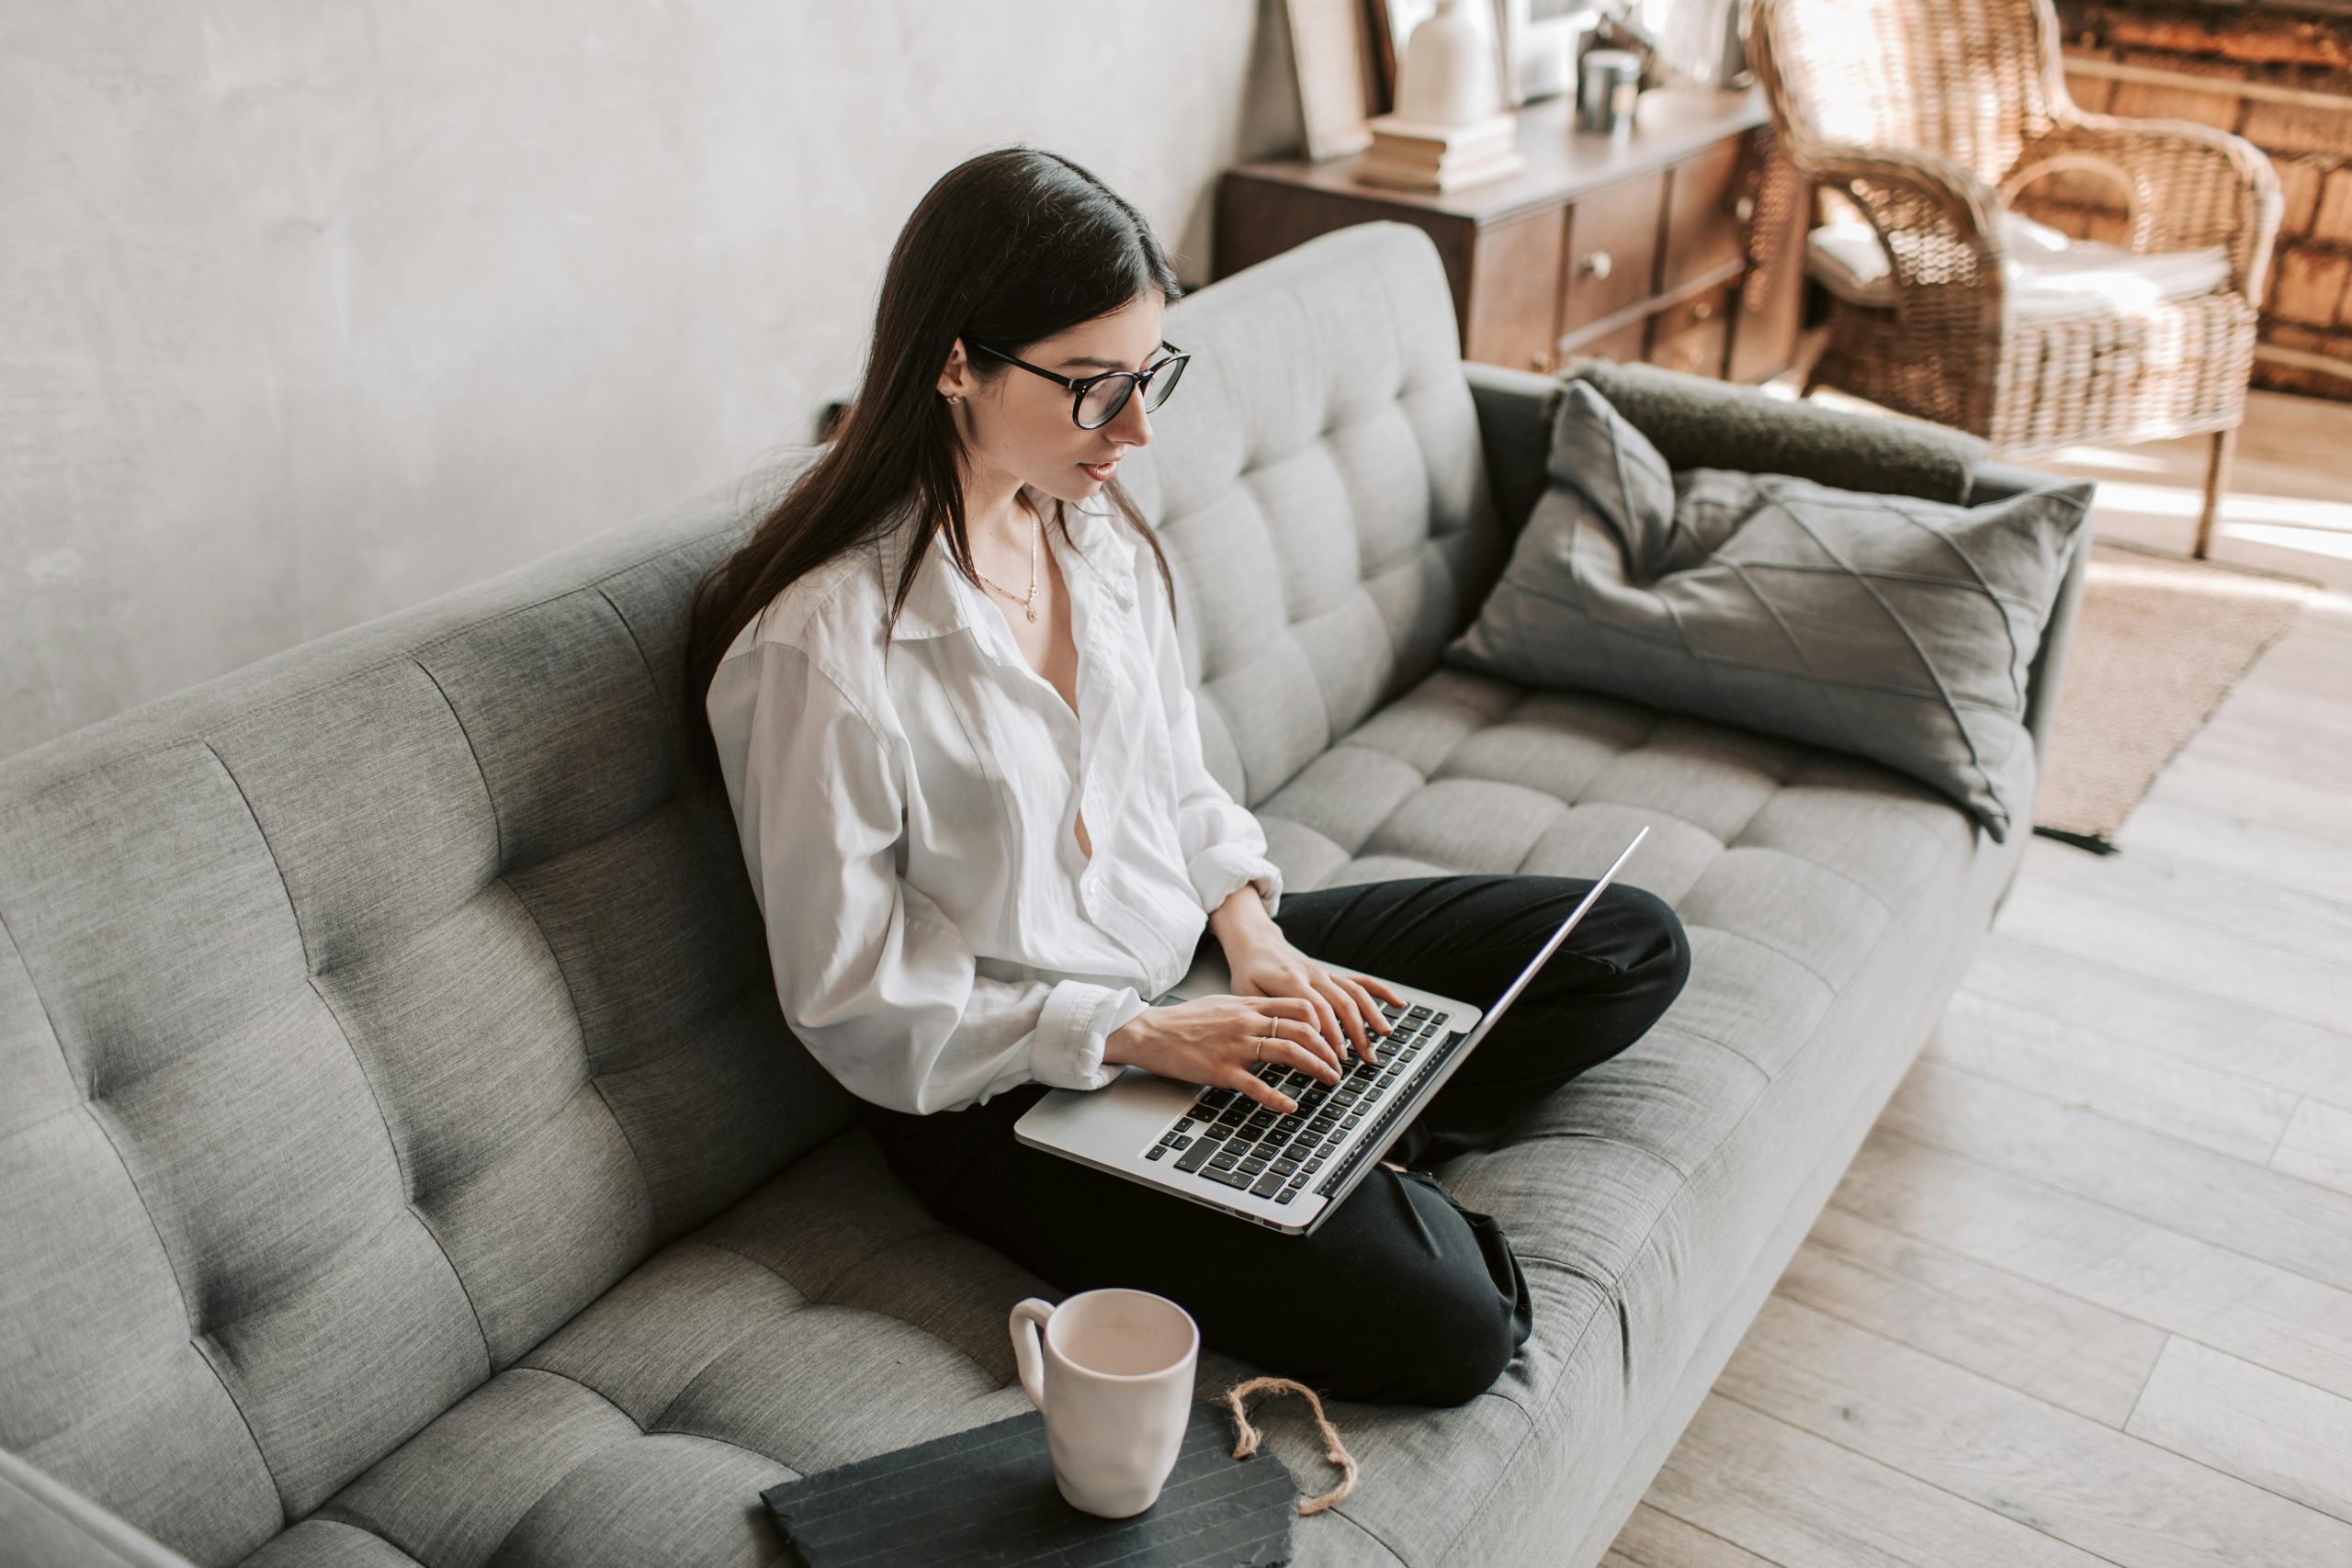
1401 1294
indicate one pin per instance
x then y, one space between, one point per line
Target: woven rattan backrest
1970 79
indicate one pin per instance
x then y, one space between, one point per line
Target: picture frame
1334 61
1520 31
1392 22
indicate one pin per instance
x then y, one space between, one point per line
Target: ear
955 378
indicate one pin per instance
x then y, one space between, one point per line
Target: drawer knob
1600 264
1744 208
1541 361
1702 309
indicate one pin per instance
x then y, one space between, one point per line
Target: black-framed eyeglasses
1095 401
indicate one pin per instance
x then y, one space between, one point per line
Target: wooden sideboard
1679 242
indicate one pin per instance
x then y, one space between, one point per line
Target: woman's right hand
1219 1041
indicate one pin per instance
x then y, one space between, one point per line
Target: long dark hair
1008 248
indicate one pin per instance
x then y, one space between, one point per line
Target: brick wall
2280 75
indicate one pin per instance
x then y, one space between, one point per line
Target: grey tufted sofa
402 1159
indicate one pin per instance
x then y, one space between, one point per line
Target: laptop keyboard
1234 1141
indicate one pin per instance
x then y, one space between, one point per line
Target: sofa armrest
1992 481
1516 409
1698 422
43 1520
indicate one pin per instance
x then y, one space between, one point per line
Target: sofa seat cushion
1821 897
825 1318
828 1317
1824 898
1469 772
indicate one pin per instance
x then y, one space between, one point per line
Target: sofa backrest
1318 488
365 1014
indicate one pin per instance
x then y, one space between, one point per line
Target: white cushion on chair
2050 275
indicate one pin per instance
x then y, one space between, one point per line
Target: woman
966 770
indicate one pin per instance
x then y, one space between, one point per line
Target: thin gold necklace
1036 527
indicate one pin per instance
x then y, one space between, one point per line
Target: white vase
1447 76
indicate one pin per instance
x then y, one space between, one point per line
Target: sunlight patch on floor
2108 457
2238 506
2334 544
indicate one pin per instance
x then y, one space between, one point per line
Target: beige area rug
2160 642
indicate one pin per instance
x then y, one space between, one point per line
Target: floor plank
1794 1498
2285 709
2061 1474
2317 1146
2308 871
2256 799
1653 1539
2233 1036
2076 1355
2299 735
2251 1423
2159 947
2137 1268
2313 655
2223 1111
2174 531
2264 1213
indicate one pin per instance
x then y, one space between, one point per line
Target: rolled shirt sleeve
1223 844
878 984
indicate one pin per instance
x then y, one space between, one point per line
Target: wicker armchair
1930 114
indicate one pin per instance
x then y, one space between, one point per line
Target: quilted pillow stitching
1892 627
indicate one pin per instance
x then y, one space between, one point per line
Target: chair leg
2217 485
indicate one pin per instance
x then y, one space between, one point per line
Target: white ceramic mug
1112 1372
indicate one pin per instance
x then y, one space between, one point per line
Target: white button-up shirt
936 933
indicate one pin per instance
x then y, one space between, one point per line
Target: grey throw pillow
1894 627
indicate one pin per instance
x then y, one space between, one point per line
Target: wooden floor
2085 1295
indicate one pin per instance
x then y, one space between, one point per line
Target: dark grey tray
985 1499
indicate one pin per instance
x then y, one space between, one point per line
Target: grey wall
312 311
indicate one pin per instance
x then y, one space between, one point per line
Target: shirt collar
940 600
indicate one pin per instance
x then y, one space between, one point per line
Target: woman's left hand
1347 1005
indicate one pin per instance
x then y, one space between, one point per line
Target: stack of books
1416 155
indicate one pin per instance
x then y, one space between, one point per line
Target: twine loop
1334 1451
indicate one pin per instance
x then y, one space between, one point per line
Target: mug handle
1028 1319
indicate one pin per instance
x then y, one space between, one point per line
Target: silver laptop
1219 1148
